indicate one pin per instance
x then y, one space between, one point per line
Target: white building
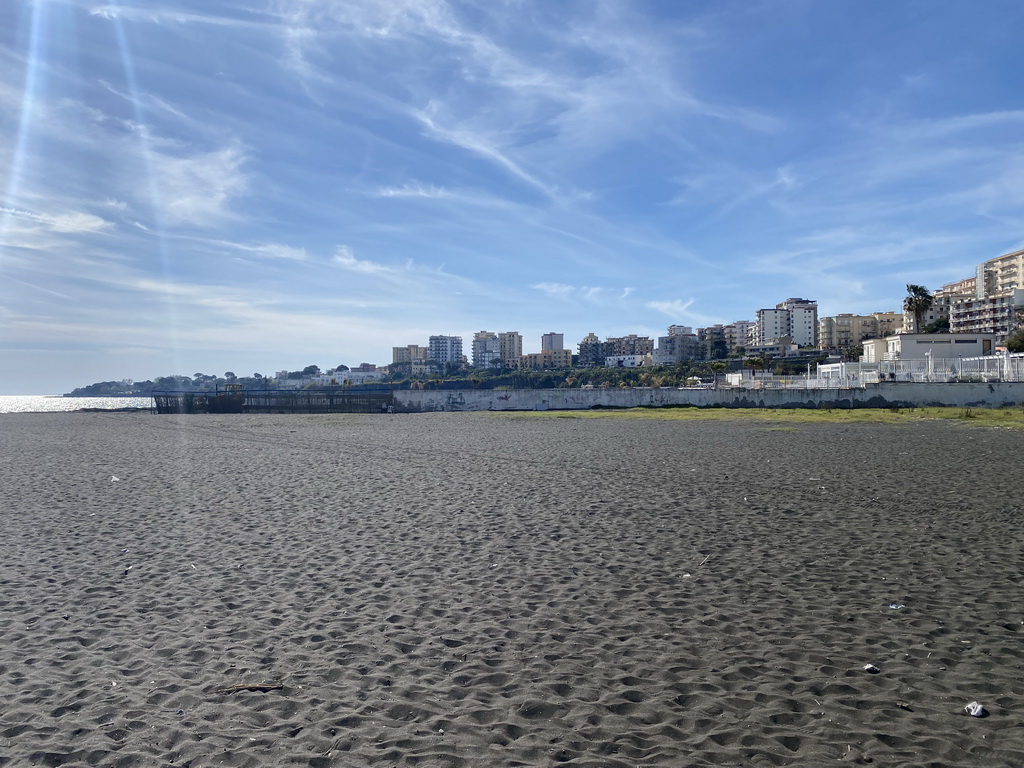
796 319
446 349
928 346
628 361
772 325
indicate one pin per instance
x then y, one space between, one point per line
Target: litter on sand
974 709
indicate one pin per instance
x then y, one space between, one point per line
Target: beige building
848 330
510 348
548 359
411 353
997 303
1000 275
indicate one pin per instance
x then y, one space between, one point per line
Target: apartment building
590 352
794 318
1000 275
411 353
445 349
485 349
997 305
848 330
552 341
943 300
1000 315
680 344
547 359
510 348
628 345
738 334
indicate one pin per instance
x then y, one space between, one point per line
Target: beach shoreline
466 589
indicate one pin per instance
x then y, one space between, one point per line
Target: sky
207 186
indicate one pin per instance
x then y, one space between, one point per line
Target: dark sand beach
456 590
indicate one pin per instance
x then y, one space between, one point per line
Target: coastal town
961 321
969 330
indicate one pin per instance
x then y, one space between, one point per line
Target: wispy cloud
345 258
680 309
64 223
414 190
197 189
588 293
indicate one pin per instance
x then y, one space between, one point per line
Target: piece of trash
193 566
897 606
904 705
256 687
180 712
128 569
124 551
871 669
115 479
974 709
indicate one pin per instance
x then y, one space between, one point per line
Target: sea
57 403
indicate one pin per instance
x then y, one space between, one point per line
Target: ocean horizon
60 403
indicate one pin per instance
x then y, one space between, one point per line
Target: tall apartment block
446 349
486 350
510 348
998 302
794 318
590 351
552 341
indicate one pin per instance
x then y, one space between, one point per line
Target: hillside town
970 329
940 329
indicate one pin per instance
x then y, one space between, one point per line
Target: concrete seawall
884 395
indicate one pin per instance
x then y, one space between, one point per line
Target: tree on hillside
917 302
937 326
311 370
1015 341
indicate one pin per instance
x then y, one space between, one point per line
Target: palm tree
917 302
717 368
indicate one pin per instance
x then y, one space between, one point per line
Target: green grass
986 417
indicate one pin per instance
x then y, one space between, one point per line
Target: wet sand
460 590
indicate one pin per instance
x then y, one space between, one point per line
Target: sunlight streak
156 202
14 177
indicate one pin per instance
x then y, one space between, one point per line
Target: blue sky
211 186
